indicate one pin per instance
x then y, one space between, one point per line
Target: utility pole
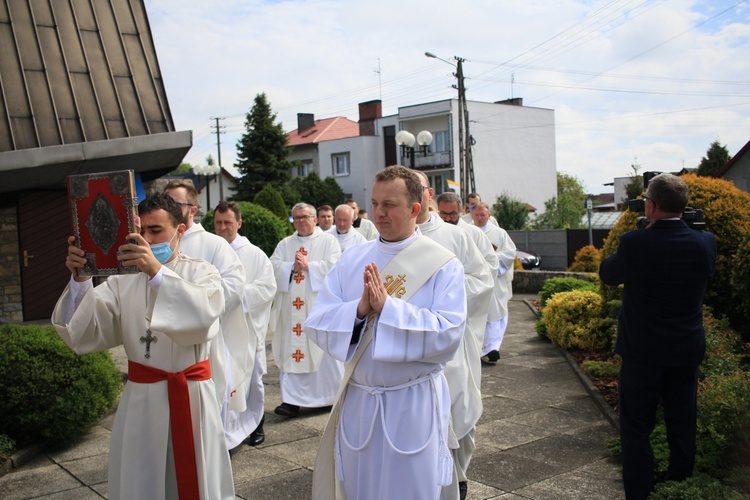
219 131
466 162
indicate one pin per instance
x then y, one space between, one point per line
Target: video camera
692 216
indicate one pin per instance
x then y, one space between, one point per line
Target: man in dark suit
666 269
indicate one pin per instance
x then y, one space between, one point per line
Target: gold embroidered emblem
394 286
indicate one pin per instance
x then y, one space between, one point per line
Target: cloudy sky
651 82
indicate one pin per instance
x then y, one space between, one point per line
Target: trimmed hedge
557 285
47 392
574 320
586 260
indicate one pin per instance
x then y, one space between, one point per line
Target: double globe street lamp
406 140
208 171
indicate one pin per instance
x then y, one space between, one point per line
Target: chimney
305 121
369 112
515 101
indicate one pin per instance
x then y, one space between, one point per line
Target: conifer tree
262 152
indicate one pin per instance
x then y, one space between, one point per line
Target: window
304 168
441 142
340 164
437 183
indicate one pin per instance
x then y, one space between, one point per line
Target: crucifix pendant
147 340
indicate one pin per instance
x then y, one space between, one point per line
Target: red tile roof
324 130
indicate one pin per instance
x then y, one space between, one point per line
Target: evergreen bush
7 446
557 285
259 225
599 369
47 392
574 320
700 486
271 200
727 214
586 260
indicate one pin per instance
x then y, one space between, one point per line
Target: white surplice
393 423
367 228
308 376
347 239
497 319
464 371
184 306
231 361
260 288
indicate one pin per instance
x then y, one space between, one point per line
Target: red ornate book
103 207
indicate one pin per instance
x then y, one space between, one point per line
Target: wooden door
43 226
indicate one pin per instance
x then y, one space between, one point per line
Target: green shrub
47 392
723 420
574 321
259 225
271 200
557 285
541 330
586 260
700 486
7 447
723 346
599 369
727 214
612 308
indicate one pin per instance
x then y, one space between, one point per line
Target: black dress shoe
463 489
287 410
494 355
258 436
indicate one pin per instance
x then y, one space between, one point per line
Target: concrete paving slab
479 491
93 443
505 434
552 418
293 485
567 452
90 470
508 472
498 407
540 394
573 485
253 464
83 493
302 452
37 482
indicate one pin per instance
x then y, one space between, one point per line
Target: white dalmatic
231 362
464 371
260 288
183 307
309 377
392 427
497 319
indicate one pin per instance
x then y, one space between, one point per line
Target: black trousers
641 388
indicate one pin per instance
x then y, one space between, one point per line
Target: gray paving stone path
541 436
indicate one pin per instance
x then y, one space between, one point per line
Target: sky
650 83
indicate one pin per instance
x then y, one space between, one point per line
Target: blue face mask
163 251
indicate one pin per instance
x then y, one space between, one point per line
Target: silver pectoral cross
148 339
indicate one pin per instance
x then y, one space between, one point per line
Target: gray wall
551 245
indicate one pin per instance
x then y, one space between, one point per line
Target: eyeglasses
448 214
426 187
184 204
298 218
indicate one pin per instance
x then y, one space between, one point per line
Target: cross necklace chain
148 338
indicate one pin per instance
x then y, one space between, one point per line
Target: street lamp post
208 171
406 140
465 141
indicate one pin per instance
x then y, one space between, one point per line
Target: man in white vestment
464 371
325 217
230 350
497 320
167 439
343 218
309 377
394 310
471 201
260 288
362 224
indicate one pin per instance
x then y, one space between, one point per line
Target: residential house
737 169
